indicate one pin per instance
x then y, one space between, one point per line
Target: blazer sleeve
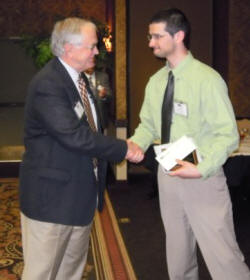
51 112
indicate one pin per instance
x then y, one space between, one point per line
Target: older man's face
83 56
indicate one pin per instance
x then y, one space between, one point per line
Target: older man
62 176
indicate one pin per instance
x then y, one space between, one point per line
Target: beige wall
141 62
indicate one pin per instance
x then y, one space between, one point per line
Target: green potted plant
38 47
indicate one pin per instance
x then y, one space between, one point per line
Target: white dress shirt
75 76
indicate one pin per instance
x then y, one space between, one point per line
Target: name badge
180 108
79 110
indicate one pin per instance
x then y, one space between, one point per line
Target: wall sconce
108 43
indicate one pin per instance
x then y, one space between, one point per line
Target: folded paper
183 149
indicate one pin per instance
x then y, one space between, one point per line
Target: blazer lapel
72 91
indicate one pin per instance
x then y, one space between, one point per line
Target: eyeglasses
155 36
90 47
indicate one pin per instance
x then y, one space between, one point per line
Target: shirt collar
72 72
182 65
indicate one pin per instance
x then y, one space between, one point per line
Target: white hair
67 31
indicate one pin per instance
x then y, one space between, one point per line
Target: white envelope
160 148
176 150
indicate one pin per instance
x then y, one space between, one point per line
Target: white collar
72 72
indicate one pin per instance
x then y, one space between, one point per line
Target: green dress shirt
206 113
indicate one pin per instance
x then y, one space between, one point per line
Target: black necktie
167 108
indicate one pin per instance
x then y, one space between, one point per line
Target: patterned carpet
11 262
107 258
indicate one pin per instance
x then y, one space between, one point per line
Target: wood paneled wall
232 50
36 17
239 56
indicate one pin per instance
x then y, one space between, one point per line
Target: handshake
135 153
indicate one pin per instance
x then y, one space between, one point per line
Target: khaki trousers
199 210
53 251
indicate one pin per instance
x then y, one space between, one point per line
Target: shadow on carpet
144 234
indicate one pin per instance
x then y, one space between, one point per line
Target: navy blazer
57 180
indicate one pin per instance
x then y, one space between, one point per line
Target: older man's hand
135 153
